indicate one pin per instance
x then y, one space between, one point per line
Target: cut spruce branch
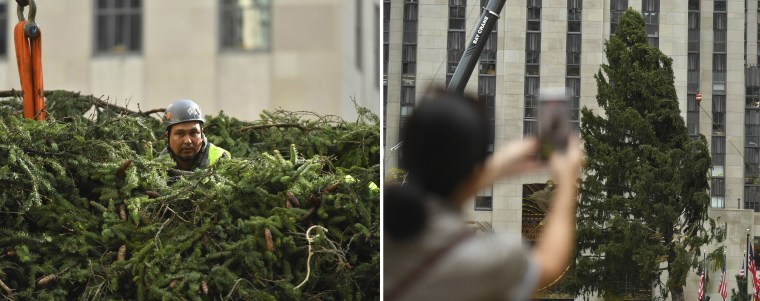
97 101
266 126
97 215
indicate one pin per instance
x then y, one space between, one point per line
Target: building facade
236 56
559 43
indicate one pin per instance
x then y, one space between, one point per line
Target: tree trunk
677 294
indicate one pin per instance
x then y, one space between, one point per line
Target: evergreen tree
740 294
88 213
644 197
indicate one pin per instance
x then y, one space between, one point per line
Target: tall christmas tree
644 198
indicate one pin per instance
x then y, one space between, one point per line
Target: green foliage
644 198
740 294
87 211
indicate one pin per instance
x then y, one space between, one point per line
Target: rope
724 131
310 239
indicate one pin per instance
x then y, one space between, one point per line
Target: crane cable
698 99
27 38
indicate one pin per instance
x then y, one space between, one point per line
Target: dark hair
443 141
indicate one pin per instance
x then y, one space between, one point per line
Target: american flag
701 291
751 268
722 287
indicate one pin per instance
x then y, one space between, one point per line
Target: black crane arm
475 45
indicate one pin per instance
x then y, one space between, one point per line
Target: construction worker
187 143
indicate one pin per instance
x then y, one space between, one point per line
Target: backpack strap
415 275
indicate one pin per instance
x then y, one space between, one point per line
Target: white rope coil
310 239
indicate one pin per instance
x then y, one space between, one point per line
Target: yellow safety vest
215 152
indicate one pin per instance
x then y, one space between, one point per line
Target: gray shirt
483 267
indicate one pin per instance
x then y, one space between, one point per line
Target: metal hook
30 28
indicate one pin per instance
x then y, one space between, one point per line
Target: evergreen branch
97 101
234 287
279 125
7 289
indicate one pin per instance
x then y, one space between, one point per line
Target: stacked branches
87 211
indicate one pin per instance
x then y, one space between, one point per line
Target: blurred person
188 145
429 253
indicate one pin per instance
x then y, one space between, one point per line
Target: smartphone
553 121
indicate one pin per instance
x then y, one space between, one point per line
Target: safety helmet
182 110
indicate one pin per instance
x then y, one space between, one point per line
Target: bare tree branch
279 125
97 101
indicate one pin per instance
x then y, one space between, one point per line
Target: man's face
185 140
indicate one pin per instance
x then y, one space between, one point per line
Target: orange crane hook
27 38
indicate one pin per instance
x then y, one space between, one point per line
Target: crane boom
475 45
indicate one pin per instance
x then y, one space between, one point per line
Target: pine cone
291 200
123 212
331 188
47 279
204 287
268 236
122 253
122 171
11 252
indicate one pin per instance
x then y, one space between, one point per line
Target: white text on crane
480 30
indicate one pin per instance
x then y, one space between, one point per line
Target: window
410 23
719 41
118 26
407 101
719 83
719 5
617 9
719 21
487 81
752 197
386 45
692 115
693 4
751 163
531 106
358 34
457 14
719 115
717 193
376 49
408 62
533 53
573 86
456 36
574 15
752 127
693 69
409 59
573 63
573 54
534 15
651 12
3 28
693 40
484 199
532 67
718 150
245 25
